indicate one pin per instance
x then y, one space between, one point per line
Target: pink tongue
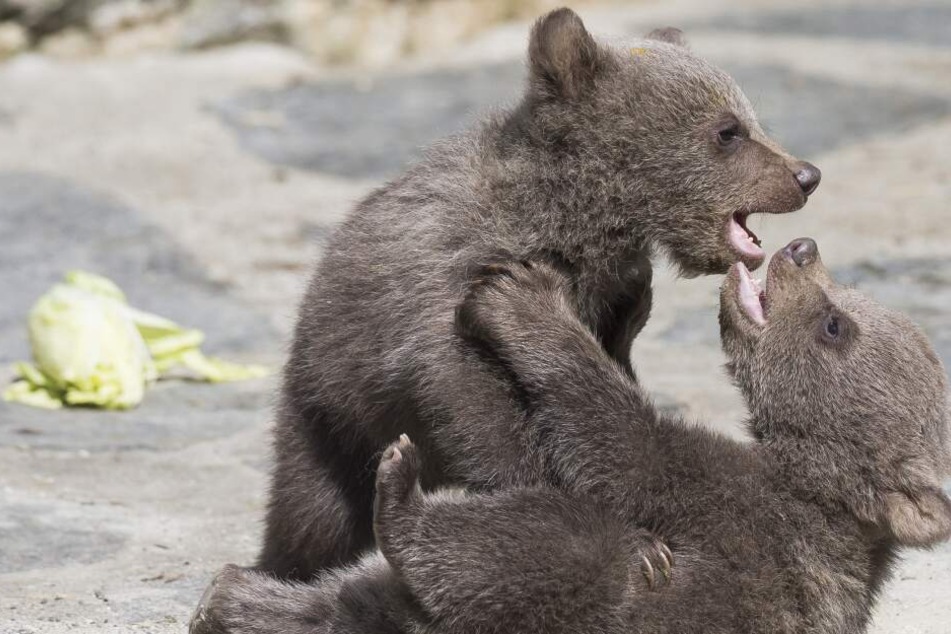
740 239
749 291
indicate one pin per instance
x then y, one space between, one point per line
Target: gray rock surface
50 226
206 183
925 24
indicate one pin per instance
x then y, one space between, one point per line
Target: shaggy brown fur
610 153
792 534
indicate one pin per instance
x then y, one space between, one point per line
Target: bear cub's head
850 391
666 137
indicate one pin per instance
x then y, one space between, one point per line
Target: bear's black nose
802 251
808 177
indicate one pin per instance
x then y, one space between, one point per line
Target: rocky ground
369 32
206 183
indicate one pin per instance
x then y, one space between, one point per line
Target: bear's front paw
507 296
654 559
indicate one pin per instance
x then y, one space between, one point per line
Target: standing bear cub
610 153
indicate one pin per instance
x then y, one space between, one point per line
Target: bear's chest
615 301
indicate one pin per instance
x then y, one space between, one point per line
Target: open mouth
751 295
744 241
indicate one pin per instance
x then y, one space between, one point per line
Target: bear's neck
818 475
821 470
550 193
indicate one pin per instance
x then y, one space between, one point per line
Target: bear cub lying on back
658 526
848 403
610 154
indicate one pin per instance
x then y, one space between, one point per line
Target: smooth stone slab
48 535
173 415
921 24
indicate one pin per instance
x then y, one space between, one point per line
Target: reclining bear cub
657 526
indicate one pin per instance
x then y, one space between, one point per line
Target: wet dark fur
610 153
793 534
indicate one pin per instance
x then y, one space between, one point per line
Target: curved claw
503 270
667 558
648 570
669 555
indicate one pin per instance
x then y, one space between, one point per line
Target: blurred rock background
332 31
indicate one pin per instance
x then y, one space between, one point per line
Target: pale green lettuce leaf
218 371
87 349
91 348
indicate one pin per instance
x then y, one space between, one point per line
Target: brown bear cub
611 153
658 526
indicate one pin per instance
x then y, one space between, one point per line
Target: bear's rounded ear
919 520
669 34
563 57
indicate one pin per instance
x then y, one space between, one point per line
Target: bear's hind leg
363 598
517 560
320 508
398 495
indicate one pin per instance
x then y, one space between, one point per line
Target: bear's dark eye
833 329
728 135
